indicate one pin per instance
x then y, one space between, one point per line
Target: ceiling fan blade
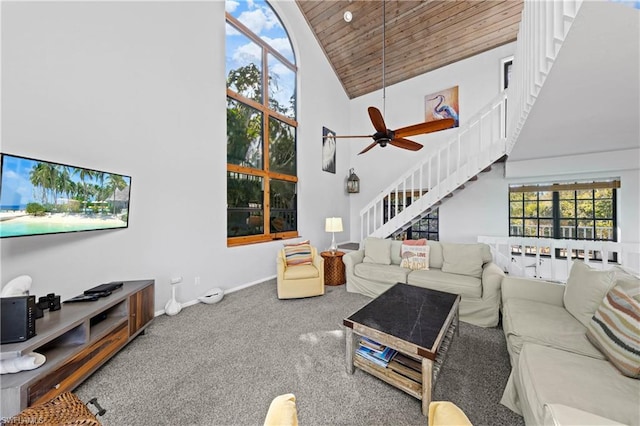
377 120
406 144
426 127
343 137
368 148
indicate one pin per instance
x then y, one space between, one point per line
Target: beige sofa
465 269
558 376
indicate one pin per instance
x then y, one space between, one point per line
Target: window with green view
261 125
581 211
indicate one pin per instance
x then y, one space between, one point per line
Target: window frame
426 221
266 114
557 218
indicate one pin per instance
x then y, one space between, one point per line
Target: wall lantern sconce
353 183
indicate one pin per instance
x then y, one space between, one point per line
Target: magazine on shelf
371 358
365 341
379 357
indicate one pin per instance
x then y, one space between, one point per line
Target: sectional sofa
465 269
574 348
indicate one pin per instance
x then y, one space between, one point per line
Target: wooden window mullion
247 32
266 113
261 107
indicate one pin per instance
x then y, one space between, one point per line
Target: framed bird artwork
443 104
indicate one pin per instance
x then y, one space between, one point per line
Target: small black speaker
18 319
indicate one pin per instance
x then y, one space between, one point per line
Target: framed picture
442 104
505 72
328 150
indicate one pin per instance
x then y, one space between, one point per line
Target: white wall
481 208
139 89
478 81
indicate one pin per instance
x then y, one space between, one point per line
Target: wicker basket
65 409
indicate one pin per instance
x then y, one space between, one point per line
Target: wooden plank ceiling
420 36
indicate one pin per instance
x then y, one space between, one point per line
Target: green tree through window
581 211
261 125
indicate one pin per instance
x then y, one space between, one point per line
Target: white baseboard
231 290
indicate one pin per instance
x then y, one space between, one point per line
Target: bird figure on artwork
441 111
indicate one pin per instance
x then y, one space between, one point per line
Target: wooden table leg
427 375
350 338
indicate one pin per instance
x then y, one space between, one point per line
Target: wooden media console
76 340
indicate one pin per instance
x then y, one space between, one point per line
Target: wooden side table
333 268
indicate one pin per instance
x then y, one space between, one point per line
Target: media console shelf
76 341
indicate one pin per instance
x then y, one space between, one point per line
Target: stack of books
375 352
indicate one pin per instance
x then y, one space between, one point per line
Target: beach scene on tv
39 197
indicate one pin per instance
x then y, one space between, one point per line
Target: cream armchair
296 281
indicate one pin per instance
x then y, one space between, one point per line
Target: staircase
484 139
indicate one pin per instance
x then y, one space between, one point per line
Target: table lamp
333 225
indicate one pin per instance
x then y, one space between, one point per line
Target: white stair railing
480 142
551 259
543 29
477 145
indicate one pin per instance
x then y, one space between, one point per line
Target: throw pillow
445 413
377 250
415 254
282 411
585 289
462 259
615 330
298 253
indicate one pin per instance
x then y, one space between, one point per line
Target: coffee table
417 322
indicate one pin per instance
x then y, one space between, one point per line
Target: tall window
261 125
580 211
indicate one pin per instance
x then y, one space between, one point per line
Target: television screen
40 197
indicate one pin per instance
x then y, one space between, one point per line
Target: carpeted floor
222 364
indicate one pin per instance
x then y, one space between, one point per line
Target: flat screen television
41 197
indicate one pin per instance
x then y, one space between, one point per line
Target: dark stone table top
413 314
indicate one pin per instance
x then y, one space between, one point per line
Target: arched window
261 125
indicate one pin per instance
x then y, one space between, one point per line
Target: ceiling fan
383 135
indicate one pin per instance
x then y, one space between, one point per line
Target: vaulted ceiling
420 36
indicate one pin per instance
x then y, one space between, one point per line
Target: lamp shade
333 224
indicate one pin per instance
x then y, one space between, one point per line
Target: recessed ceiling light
348 16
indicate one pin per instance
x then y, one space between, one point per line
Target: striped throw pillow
298 253
615 329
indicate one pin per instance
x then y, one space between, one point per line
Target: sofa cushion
545 324
615 330
435 279
463 259
559 415
585 289
547 375
377 250
300 272
396 247
435 254
415 255
625 280
390 274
